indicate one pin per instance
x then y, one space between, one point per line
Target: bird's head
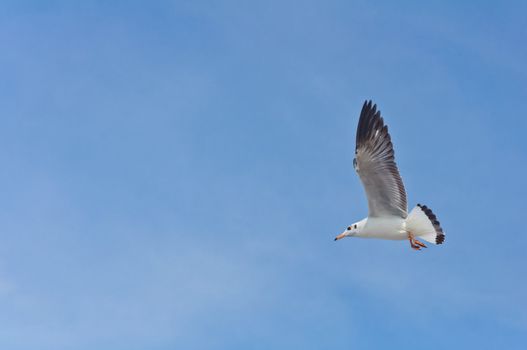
350 231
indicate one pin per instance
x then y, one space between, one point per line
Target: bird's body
388 216
389 227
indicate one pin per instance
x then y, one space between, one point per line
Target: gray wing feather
375 163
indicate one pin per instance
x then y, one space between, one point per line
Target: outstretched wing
375 163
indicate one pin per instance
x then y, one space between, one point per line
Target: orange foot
414 243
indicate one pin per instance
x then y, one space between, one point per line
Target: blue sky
174 173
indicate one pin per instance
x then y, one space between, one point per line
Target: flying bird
388 216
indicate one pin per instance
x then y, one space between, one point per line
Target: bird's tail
421 222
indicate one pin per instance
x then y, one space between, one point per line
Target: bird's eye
349 228
355 226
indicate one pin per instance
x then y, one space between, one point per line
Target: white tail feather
421 222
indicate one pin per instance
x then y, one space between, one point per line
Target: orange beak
342 235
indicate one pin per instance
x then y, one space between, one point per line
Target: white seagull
388 216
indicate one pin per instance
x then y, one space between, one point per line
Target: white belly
391 227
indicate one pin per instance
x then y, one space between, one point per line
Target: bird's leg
415 244
419 243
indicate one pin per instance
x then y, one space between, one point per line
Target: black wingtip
440 235
368 104
370 120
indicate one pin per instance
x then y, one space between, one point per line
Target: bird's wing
375 163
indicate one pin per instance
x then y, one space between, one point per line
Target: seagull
388 216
